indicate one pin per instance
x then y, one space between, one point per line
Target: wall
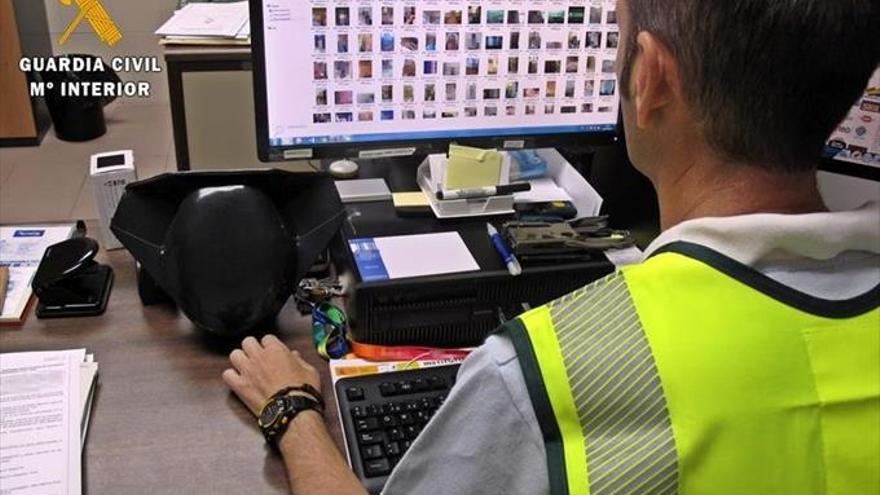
136 19
842 192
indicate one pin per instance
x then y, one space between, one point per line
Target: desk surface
163 421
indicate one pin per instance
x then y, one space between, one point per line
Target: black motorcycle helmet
228 248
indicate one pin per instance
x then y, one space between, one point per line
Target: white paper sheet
39 423
424 255
543 191
207 19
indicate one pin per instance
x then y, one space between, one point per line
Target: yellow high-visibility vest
693 374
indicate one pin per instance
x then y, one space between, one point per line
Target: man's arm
313 462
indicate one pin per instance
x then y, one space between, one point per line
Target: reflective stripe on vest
693 374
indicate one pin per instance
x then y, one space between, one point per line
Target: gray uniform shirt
486 438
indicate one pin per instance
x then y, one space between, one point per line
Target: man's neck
716 189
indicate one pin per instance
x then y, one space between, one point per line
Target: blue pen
509 259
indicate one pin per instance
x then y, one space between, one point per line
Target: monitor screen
367 73
857 139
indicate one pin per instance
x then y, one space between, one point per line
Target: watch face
270 413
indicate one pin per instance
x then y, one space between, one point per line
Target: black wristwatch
280 411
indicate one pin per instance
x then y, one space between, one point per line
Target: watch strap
291 407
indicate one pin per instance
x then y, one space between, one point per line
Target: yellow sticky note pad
410 199
471 167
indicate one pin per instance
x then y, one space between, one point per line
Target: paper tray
460 208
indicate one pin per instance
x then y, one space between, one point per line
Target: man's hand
259 370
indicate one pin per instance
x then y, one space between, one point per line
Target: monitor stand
343 169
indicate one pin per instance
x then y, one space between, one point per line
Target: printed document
40 422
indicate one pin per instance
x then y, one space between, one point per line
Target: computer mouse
344 169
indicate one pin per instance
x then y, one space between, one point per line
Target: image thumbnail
536 17
430 67
320 70
595 15
321 118
431 17
534 40
576 15
594 39
387 68
607 87
387 17
343 97
475 14
409 68
472 66
451 68
452 41
387 93
495 17
612 40
452 17
365 69
365 42
473 41
341 69
386 42
342 16
320 43
409 15
409 44
365 16
321 97
342 43
319 16
556 17
513 17
431 42
494 42
513 65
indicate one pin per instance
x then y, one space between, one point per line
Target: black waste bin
77 118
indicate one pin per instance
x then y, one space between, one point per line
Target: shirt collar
761 238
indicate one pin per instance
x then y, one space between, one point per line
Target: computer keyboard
383 414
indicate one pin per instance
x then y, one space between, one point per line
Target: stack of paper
45 404
21 250
208 24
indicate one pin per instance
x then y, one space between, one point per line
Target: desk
163 422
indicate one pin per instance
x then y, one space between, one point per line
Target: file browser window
373 71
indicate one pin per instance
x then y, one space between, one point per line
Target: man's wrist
304 423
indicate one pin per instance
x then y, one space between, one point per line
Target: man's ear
657 81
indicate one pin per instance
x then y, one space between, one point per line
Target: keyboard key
372 452
354 394
410 432
421 385
405 419
393 449
412 406
422 417
377 467
437 383
373 410
388 421
405 387
371 437
396 407
366 424
396 434
358 412
387 389
406 445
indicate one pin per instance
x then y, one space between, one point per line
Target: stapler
69 282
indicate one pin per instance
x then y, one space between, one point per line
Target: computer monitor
346 78
854 146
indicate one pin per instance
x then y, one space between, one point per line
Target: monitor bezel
359 149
